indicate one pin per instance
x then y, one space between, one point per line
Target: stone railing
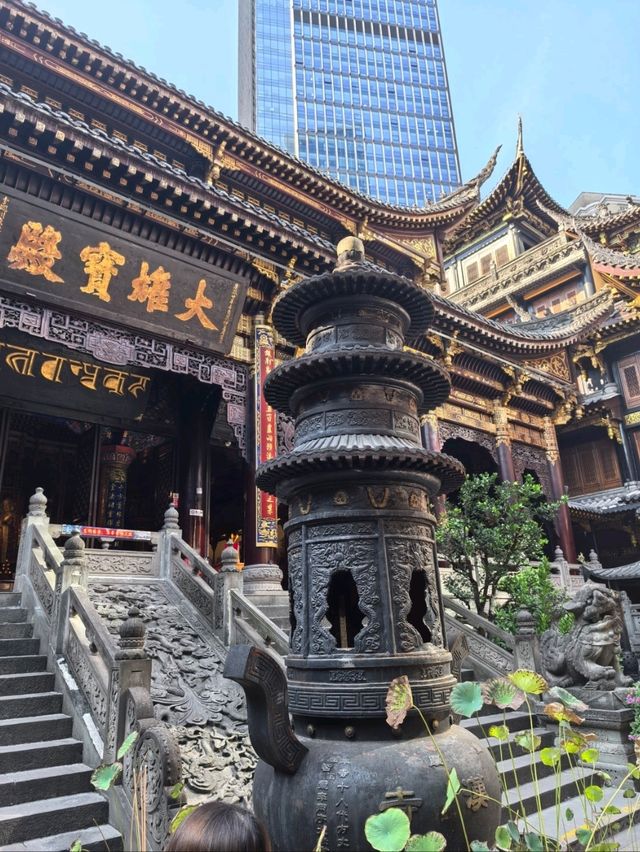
488 658
107 682
531 266
565 575
252 627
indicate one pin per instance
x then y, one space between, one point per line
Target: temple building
143 239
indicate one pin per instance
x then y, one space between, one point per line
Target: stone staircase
46 799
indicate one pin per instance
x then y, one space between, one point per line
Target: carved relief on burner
378 497
358 558
406 557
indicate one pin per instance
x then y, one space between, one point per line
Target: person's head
218 827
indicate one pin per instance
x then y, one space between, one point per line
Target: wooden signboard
61 259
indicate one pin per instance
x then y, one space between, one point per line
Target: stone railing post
131 668
527 648
563 569
72 571
37 515
169 528
228 578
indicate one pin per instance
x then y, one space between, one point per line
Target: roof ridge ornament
519 143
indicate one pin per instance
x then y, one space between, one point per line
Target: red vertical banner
266 439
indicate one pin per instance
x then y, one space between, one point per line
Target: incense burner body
363 578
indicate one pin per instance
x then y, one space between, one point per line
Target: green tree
530 588
493 529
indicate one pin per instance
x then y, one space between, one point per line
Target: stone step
99 838
546 790
46 782
10 598
21 630
26 683
12 613
13 647
44 817
34 755
26 663
33 729
17 706
554 823
519 770
515 720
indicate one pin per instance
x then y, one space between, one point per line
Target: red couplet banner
266 436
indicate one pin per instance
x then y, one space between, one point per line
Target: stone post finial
229 558
594 562
38 504
74 564
132 635
526 625
558 555
171 519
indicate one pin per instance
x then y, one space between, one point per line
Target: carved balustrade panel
204 711
119 562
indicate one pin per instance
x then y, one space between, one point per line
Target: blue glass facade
358 89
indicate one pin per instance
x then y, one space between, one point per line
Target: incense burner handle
265 686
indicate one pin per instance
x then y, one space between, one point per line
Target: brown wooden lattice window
590 467
472 272
630 378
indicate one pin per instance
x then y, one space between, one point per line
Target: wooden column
563 522
503 442
198 408
261 511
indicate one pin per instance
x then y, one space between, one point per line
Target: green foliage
388 831
433 841
466 698
180 817
529 682
567 699
499 732
528 741
493 529
453 787
550 756
104 777
127 744
502 693
530 588
399 701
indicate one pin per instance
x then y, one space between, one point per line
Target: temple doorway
475 458
91 475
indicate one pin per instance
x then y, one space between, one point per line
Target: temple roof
38 37
549 334
518 190
617 574
615 501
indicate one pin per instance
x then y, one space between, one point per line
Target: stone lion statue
588 655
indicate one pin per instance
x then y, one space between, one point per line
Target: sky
570 68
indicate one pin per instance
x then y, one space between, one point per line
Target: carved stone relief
112 562
205 711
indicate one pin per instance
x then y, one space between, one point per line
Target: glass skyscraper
357 88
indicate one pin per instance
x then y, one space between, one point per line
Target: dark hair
219 827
